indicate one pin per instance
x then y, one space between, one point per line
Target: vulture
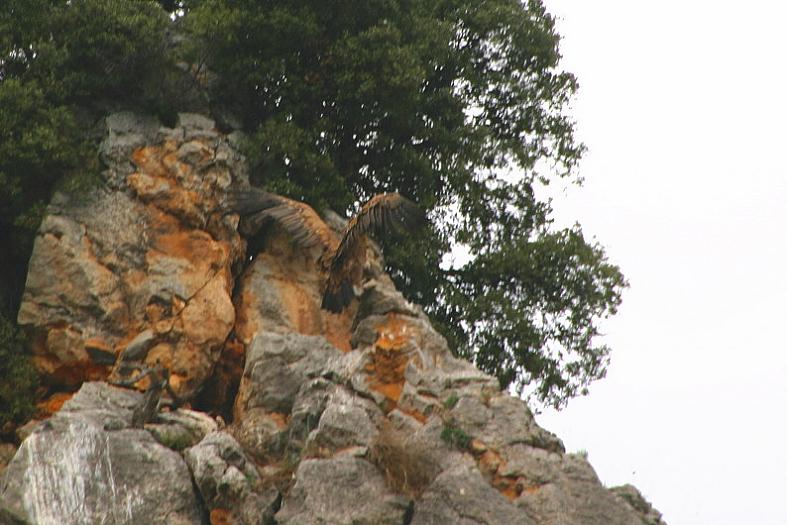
341 260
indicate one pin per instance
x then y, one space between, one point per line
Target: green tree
455 103
63 65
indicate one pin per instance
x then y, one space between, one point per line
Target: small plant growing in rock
455 436
406 465
19 379
451 402
177 441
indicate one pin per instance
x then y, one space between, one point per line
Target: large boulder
229 483
344 490
142 265
87 465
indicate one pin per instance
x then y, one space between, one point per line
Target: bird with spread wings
342 258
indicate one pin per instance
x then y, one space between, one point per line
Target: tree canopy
460 105
456 104
62 64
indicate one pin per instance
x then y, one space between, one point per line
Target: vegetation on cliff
457 104
62 66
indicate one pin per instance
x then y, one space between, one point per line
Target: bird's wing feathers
383 212
298 219
246 201
386 211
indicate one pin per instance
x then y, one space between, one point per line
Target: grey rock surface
181 429
571 494
348 420
634 497
344 490
85 465
461 496
281 370
227 479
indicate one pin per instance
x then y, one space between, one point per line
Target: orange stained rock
148 159
195 246
175 199
52 404
490 462
175 167
71 373
414 413
300 299
155 312
392 334
511 488
282 420
149 185
294 284
209 315
220 517
478 447
300 306
161 353
386 370
176 381
338 327
98 343
246 324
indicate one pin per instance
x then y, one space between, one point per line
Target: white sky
683 106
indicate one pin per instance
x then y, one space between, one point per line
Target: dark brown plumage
342 259
258 207
383 212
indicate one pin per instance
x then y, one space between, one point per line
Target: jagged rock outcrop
364 417
142 265
229 483
86 464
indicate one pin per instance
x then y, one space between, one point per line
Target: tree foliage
62 65
457 104
454 103
19 378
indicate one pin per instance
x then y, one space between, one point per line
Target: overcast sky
683 106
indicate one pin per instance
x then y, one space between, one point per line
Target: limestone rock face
86 465
228 481
363 417
142 265
281 292
633 497
341 490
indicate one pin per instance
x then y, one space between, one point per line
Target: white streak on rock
58 480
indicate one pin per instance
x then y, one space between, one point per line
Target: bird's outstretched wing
386 212
249 200
257 207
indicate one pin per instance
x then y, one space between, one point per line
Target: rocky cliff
296 415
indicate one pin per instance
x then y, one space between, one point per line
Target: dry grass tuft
407 465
